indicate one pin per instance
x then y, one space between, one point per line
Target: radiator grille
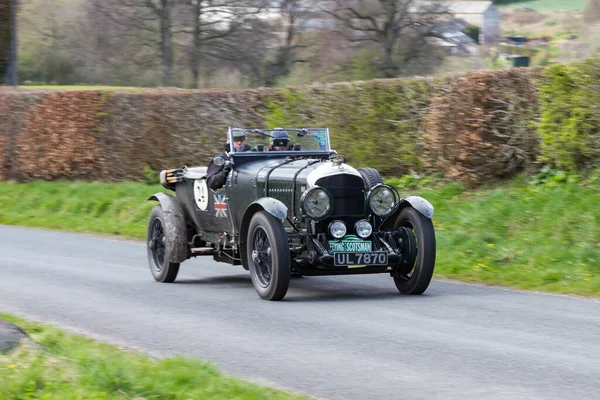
282 191
348 194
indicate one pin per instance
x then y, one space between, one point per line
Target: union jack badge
220 205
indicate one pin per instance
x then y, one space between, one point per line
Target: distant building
483 14
450 36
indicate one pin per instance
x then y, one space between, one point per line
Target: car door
212 207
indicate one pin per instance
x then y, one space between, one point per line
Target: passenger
280 140
216 175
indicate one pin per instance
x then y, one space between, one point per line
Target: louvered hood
289 181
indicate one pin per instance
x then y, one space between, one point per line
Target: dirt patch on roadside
10 336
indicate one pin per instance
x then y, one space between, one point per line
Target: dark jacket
217 176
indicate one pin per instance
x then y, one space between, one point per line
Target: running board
202 251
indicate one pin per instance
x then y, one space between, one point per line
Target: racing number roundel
201 194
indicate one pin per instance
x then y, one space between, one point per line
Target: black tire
269 257
371 177
415 277
158 249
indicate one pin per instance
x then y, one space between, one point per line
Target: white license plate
369 258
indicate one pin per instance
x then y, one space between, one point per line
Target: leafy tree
396 26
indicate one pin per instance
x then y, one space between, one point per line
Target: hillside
546 5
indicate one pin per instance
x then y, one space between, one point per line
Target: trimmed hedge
570 120
376 123
475 127
481 126
113 135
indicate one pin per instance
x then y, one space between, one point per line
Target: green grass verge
69 366
541 237
548 5
115 209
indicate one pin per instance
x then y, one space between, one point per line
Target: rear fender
175 227
273 206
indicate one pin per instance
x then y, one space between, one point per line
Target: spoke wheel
261 257
158 252
157 244
413 275
268 256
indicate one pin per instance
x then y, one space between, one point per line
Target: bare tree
211 22
8 42
292 12
388 23
244 51
143 17
113 52
48 37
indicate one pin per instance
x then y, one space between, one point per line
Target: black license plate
354 259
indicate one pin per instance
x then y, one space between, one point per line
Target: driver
216 176
280 140
239 140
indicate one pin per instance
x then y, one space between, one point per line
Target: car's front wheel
414 274
268 256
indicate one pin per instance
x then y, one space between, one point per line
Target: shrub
480 126
375 123
570 119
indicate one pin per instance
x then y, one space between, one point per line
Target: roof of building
452 32
469 7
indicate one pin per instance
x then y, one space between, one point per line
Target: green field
542 237
549 5
67 366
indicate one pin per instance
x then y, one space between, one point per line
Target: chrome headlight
363 228
316 203
382 200
337 229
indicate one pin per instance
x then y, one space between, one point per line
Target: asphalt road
350 337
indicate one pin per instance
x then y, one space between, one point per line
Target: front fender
273 206
175 227
419 204
416 202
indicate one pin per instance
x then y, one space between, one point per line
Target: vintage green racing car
298 211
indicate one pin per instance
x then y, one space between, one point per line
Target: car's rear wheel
370 176
158 251
268 256
419 249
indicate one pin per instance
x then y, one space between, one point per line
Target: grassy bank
544 238
541 237
68 366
